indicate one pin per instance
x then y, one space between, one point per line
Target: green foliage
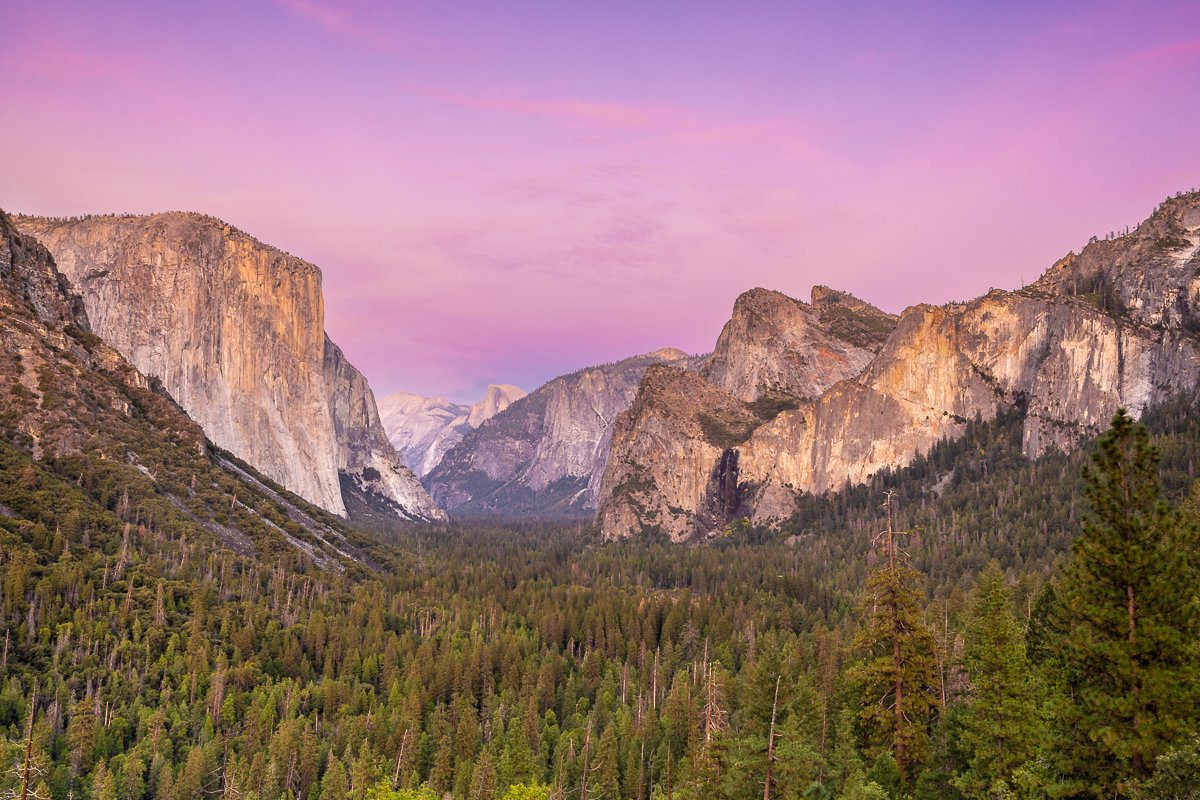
860 328
384 791
1000 722
1176 775
527 791
896 679
727 430
490 661
770 405
1126 659
735 425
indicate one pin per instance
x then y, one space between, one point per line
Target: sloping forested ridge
512 662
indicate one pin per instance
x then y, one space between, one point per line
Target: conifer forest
975 625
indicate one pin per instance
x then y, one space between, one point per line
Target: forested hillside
491 662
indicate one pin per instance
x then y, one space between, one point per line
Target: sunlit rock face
234 330
775 344
1114 326
544 454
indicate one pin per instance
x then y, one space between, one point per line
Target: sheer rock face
423 429
544 454
1113 326
70 394
365 456
233 328
661 460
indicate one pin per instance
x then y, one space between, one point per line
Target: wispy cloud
336 18
1161 57
40 54
608 113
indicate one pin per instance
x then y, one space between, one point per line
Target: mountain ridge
423 429
1112 326
543 455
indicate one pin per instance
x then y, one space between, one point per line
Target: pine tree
999 721
104 786
774 752
606 781
517 759
363 771
81 731
483 781
897 677
334 784
1128 607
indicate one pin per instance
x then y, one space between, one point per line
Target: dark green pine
1126 659
999 721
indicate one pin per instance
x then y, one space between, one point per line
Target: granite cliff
776 345
423 429
92 438
234 330
1115 325
544 454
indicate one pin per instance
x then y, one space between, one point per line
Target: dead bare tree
767 781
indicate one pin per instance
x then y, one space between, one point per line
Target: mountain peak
234 329
667 354
497 398
776 344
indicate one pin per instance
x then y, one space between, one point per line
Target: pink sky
502 192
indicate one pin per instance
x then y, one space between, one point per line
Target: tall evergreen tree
897 676
999 722
1129 612
606 781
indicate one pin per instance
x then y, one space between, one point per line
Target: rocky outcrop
368 464
665 450
423 429
545 453
234 330
776 345
675 466
1114 326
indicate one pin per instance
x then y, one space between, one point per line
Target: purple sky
502 192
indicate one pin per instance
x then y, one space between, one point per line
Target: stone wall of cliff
233 328
675 464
